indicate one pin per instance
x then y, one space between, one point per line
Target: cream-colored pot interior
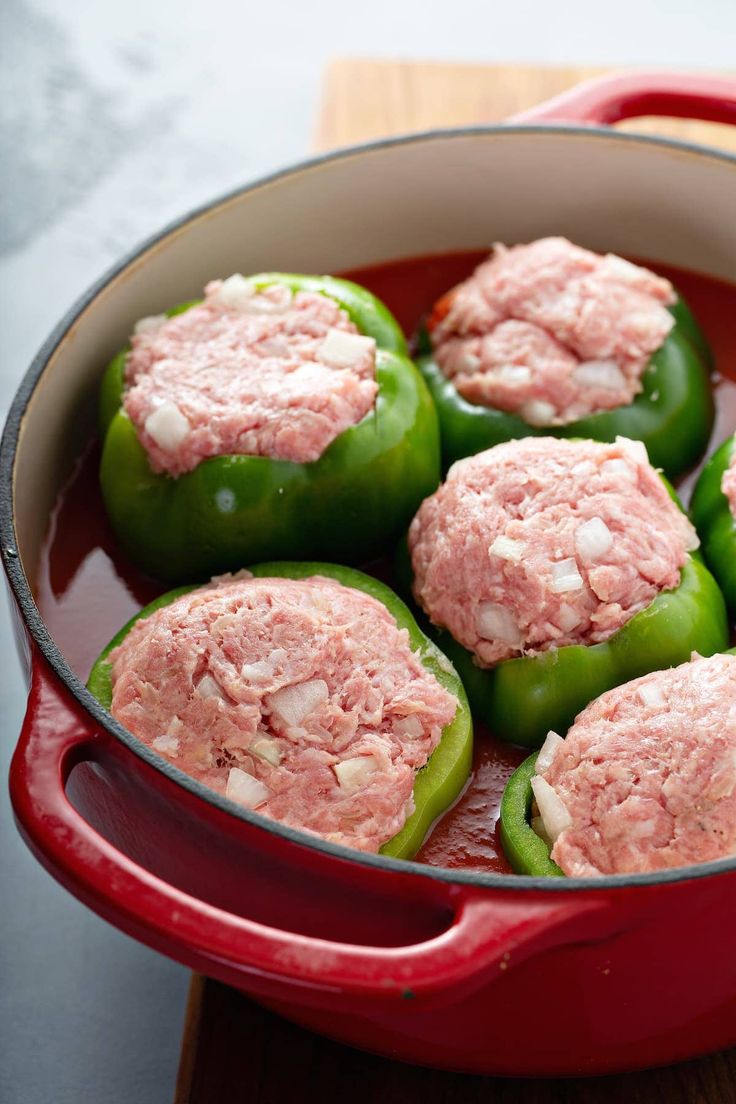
453 190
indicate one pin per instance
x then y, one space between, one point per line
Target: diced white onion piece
537 826
276 301
724 778
537 412
508 549
166 744
245 789
208 687
566 577
263 669
552 809
344 350
593 539
470 362
567 618
494 622
443 662
515 374
640 829
236 292
352 774
257 672
617 468
230 577
693 540
651 695
547 751
167 426
266 749
293 703
149 324
624 271
410 726
635 449
600 373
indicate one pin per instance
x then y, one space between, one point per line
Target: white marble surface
113 119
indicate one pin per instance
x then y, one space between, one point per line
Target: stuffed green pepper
278 417
553 570
643 781
549 338
303 691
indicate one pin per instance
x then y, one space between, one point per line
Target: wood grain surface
233 1051
364 99
240 1052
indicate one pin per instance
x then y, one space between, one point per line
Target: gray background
114 119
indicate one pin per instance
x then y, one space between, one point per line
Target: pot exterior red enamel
514 982
486 974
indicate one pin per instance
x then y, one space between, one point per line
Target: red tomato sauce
87 589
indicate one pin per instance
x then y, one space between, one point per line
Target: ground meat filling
539 543
728 483
646 778
255 373
301 699
551 331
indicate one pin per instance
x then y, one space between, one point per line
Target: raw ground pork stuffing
299 698
646 778
539 543
247 373
551 331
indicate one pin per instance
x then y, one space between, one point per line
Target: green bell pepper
441 780
673 415
716 525
350 504
522 699
527 852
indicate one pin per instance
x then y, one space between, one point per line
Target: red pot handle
483 936
608 99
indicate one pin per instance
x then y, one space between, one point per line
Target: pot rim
35 625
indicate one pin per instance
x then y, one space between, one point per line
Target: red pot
484 973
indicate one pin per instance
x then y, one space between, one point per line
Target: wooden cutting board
364 99
233 1051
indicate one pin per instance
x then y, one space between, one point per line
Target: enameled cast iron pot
483 973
